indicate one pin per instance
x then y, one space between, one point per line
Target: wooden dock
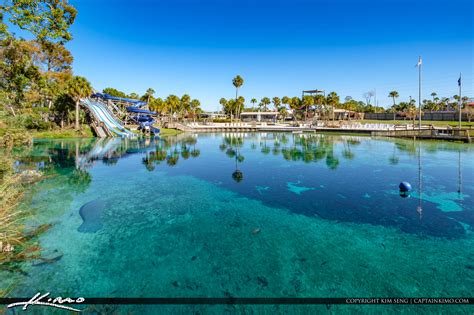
450 134
426 132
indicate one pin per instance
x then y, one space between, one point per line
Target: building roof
260 113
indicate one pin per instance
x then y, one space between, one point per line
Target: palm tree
445 101
333 100
276 102
194 106
238 81
433 95
78 87
239 105
253 101
393 95
172 104
149 93
308 101
265 102
184 104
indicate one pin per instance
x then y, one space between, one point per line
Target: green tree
253 101
172 103
184 105
195 105
55 63
46 19
238 81
433 95
19 74
239 105
149 94
62 106
134 96
157 105
393 95
265 102
223 103
114 92
276 102
308 101
333 99
78 88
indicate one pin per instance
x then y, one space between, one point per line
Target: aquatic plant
17 245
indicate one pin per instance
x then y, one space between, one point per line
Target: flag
420 62
459 80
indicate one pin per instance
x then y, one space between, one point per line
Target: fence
439 116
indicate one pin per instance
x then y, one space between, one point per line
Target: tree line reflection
72 159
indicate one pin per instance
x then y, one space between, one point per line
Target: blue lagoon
252 215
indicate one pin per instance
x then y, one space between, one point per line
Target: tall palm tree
238 81
184 105
78 87
223 103
276 102
149 93
433 95
308 101
393 95
172 105
253 101
195 106
333 100
265 102
240 105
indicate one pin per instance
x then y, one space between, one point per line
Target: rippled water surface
252 215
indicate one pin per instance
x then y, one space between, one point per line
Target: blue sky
278 47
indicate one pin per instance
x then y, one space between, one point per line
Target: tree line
37 84
300 106
172 106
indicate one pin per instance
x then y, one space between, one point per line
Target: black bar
284 300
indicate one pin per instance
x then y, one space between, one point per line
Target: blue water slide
102 113
134 109
142 116
105 96
101 116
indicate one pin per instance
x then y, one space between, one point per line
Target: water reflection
344 178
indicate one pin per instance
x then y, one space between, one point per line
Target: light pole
419 65
460 103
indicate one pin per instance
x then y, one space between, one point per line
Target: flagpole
460 102
419 92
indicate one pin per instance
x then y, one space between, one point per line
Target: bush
14 137
222 120
35 121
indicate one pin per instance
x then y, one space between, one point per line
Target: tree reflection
232 145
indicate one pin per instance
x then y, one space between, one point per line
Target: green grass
169 132
85 132
424 122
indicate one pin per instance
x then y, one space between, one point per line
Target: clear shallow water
260 215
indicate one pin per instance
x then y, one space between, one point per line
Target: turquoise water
253 215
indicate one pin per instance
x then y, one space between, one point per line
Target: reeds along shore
17 245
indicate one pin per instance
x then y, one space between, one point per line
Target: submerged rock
91 215
30 176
